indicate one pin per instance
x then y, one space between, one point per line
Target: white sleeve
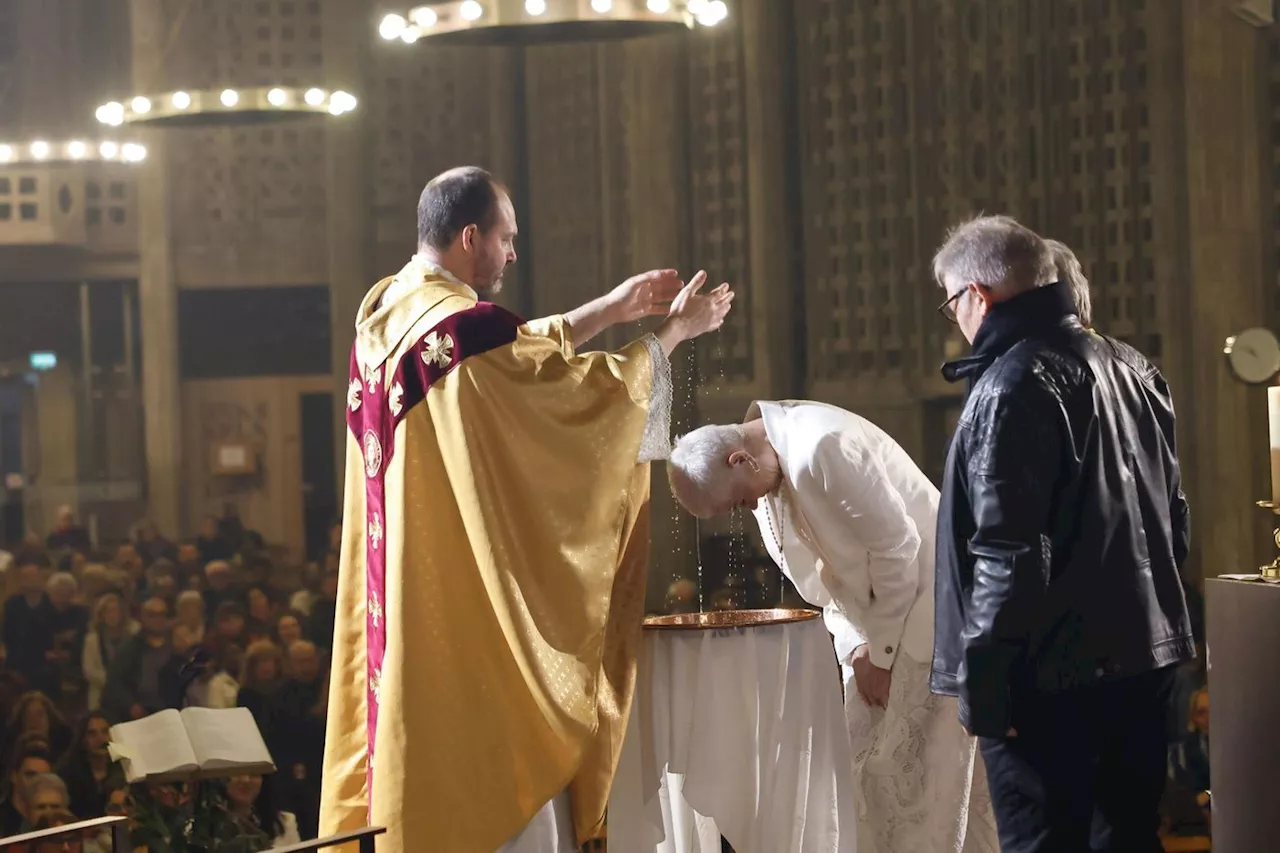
863 518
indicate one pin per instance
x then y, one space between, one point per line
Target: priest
494 542
849 518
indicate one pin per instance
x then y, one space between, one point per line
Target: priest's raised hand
693 314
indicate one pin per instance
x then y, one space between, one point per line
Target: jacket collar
1026 315
392 307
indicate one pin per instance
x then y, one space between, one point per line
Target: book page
154 745
226 738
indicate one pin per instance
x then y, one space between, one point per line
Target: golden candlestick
1271 571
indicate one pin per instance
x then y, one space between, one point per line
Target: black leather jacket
1062 525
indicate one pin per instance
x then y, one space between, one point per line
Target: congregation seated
151 625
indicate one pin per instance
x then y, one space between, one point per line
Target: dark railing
120 832
118 824
364 835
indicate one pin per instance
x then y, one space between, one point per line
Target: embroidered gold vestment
495 535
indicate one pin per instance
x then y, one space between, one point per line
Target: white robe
853 527
550 831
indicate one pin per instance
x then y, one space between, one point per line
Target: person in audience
1190 756
128 564
45 793
28 627
151 546
214 686
36 715
210 544
301 600
94 583
66 534
71 843
87 768
259 678
69 624
228 626
12 686
108 631
134 687
181 670
253 803
296 733
288 628
162 581
117 805
188 564
323 611
262 613
13 808
218 587
230 528
189 610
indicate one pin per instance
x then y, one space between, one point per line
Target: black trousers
1086 770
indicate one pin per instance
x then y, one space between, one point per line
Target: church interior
195 196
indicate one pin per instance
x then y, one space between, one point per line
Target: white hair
62 580
46 781
995 251
189 595
1071 273
699 470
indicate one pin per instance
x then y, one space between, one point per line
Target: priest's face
493 249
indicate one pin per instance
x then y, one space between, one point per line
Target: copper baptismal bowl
722 619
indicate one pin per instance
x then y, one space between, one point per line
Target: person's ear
469 237
981 295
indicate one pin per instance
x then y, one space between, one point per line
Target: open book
195 743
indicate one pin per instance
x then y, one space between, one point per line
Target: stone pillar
773 197
1226 464
348 29
157 289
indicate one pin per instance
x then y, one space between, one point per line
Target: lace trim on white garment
656 442
919 780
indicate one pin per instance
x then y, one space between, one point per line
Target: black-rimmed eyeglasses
948 308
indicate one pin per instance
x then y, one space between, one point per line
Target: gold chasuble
495 534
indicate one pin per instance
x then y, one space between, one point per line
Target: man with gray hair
1059 610
849 518
1071 273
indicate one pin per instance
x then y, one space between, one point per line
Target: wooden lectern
1243 622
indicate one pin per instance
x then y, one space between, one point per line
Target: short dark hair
452 200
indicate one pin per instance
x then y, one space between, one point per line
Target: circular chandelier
225 106
493 22
41 151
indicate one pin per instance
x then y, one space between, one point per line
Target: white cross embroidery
372 378
353 395
437 350
375 685
375 610
396 400
375 530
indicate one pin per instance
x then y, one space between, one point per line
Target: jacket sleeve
862 519
1011 473
1179 510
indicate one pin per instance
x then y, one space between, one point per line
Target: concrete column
1226 463
157 289
348 31
773 198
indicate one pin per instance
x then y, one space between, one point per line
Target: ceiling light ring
546 21
225 105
